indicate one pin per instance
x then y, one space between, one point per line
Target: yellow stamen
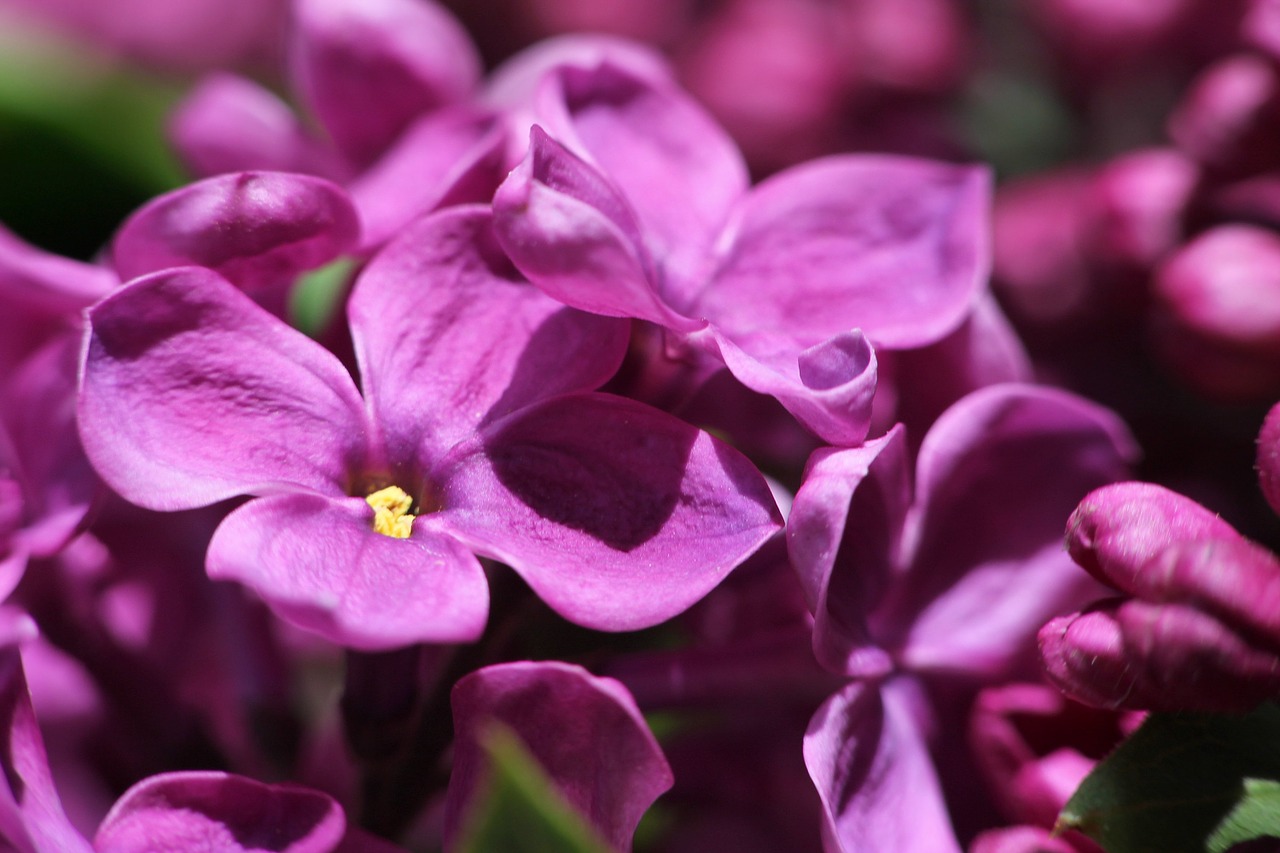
391 512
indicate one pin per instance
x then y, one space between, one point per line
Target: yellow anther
391 512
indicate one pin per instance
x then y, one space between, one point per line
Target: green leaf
1184 783
521 811
317 296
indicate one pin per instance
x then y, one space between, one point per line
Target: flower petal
1269 457
995 477
320 565
449 336
585 731
879 790
892 245
574 235
219 812
618 515
253 228
843 537
191 393
367 68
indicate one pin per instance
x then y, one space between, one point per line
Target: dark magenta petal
1118 528
31 816
1269 457
679 171
574 235
995 477
585 731
894 246
228 123
1228 117
218 812
1157 657
255 229
449 335
618 515
827 387
368 68
452 156
843 538
873 773
320 565
191 393
1021 839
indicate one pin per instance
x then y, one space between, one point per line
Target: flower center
391 512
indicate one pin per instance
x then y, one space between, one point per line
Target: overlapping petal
319 564
449 336
585 731
618 515
191 393
255 229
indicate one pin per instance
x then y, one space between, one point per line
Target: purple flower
477 431
586 732
631 202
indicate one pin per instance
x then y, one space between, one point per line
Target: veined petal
995 476
843 536
220 813
253 228
585 731
895 246
190 394
878 787
828 387
449 335
574 235
367 68
618 515
319 564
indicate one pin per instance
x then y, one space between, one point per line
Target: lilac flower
586 732
477 431
631 202
946 580
1196 628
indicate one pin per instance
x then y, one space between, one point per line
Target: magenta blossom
477 432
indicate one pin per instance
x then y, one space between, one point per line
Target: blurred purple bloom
586 732
477 431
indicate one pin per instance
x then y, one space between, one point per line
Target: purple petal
1020 839
842 536
891 245
827 387
31 815
256 229
585 731
191 394
679 171
1117 529
228 123
321 566
996 476
453 156
368 68
218 812
618 515
449 335
1269 457
574 235
877 784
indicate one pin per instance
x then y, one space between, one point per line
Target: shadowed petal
618 515
585 731
842 536
367 68
878 787
449 335
253 228
1269 458
218 812
191 393
891 245
320 565
574 235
